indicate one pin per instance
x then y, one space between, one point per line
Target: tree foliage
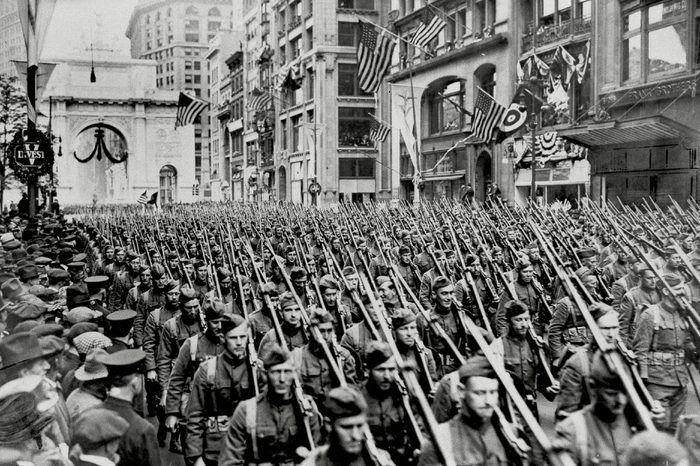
13 117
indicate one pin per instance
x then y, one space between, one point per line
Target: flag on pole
188 109
582 64
153 199
374 53
402 115
378 131
260 100
143 199
566 64
430 26
487 115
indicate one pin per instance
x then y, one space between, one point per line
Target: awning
449 177
639 130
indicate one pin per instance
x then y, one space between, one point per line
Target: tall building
11 39
176 34
323 153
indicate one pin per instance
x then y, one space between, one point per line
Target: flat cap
440 282
515 308
97 427
124 362
88 341
345 402
585 253
230 321
79 329
287 300
43 330
81 314
476 366
377 353
402 317
51 345
274 356
57 274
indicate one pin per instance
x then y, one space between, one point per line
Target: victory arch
118 136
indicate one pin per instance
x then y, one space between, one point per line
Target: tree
13 117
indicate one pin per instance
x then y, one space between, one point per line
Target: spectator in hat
21 354
99 432
83 344
347 413
29 275
120 326
138 446
92 380
58 280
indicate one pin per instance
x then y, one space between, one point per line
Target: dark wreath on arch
101 149
39 141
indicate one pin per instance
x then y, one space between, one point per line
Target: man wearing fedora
92 377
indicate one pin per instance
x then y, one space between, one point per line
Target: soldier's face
189 268
609 399
353 280
292 315
235 341
407 334
280 377
387 292
330 296
648 280
674 261
609 326
291 257
134 264
202 273
520 324
452 261
174 264
445 295
109 254
191 309
589 262
525 274
172 297
590 282
406 258
120 256
383 375
349 433
326 330
696 242
479 396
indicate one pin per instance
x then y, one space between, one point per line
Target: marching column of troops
281 335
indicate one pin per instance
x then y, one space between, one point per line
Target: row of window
190 11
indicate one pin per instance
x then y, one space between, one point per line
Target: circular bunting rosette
514 118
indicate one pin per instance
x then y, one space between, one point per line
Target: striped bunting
430 26
487 115
188 109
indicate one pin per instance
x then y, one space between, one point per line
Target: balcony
267 159
554 33
281 33
294 22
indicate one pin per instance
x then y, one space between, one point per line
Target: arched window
168 185
214 12
191 11
158 16
445 102
485 78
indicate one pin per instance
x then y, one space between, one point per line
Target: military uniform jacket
148 301
294 339
662 344
175 332
315 373
138 446
426 288
324 456
387 421
574 382
519 359
619 288
350 304
630 310
567 327
356 340
270 434
186 364
260 323
408 272
152 331
447 319
216 391
593 442
467 444
525 293
123 282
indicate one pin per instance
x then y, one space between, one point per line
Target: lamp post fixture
545 108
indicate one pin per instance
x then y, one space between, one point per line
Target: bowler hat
18 348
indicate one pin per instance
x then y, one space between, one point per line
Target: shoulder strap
194 339
581 433
211 371
297 358
251 415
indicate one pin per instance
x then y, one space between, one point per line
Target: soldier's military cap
217 251
197 264
57 274
76 265
289 249
328 282
449 253
383 280
131 255
349 271
269 289
230 321
440 282
274 356
583 272
515 308
96 282
345 402
669 251
320 316
438 253
187 294
496 249
402 317
97 427
476 366
598 310
287 300
124 362
602 376
297 273
404 250
522 263
123 317
80 314
214 309
585 253
377 353
171 285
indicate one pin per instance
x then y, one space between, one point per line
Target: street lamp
544 109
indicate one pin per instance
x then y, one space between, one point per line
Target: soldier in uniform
173 265
526 293
201 283
386 415
407 269
138 445
425 295
358 337
150 300
625 283
123 281
635 301
599 433
120 324
144 284
218 386
346 299
473 436
260 321
347 412
314 371
330 290
269 428
412 349
663 343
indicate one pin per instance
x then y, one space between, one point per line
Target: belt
218 423
577 335
663 358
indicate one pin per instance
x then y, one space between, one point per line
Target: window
197 79
296 134
654 41
191 37
213 26
168 184
197 65
356 168
191 25
555 12
214 12
347 34
356 4
188 65
191 11
353 126
188 79
444 114
283 130
348 83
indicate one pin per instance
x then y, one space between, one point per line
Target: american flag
429 28
374 54
378 131
143 199
487 115
188 109
260 100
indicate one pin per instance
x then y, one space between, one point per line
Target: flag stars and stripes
487 115
378 131
374 53
188 109
429 28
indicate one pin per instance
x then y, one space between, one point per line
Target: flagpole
392 34
533 119
417 175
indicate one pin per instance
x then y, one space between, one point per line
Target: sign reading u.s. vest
30 153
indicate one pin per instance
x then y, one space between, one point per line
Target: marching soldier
123 281
407 269
269 428
358 337
260 321
412 349
330 293
635 301
150 300
426 291
293 330
526 292
625 283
